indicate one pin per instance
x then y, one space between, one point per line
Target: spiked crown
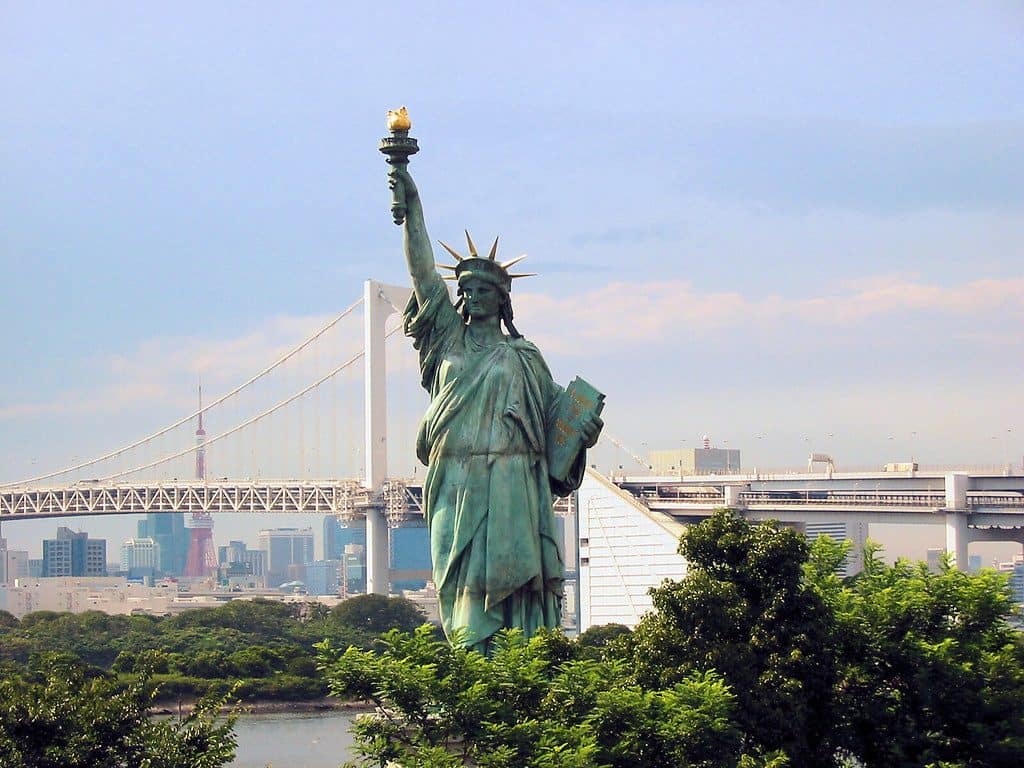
489 268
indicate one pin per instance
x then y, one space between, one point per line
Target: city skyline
794 232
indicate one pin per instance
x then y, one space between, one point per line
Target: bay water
293 739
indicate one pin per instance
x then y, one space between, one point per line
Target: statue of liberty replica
499 438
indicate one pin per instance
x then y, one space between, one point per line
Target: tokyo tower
202 560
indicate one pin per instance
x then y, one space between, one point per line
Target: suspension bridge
290 443
309 433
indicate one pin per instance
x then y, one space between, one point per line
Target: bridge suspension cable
606 435
142 441
192 449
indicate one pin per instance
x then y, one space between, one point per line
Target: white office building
140 553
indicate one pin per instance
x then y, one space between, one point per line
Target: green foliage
895 667
260 618
761 657
745 611
600 637
930 669
530 704
59 717
377 614
196 651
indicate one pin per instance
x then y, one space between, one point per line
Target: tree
895 667
930 669
209 665
58 717
745 611
530 704
601 636
377 614
257 661
262 618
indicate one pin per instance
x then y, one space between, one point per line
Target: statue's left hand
590 429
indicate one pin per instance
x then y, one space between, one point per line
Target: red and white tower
202 559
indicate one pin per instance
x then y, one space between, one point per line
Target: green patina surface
487 496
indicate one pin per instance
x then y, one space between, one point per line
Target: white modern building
140 553
624 550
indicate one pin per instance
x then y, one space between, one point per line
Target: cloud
162 372
648 313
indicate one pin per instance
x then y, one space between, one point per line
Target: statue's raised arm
419 255
406 208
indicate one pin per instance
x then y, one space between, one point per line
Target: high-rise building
1017 580
168 530
234 552
237 555
339 533
346 541
74 554
140 557
237 564
353 571
323 577
13 563
256 560
410 557
283 547
855 533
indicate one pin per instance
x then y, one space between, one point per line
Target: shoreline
264 707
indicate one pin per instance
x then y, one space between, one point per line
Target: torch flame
398 119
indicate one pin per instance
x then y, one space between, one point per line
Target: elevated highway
971 507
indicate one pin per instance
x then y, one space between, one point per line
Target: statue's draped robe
497 560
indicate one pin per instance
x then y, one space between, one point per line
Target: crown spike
451 250
524 274
472 248
445 266
494 250
512 262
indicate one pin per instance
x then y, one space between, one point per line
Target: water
293 740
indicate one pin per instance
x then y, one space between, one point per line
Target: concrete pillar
732 495
379 302
956 490
957 537
857 533
377 581
957 534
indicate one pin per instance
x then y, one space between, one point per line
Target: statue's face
483 299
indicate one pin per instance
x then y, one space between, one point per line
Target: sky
793 227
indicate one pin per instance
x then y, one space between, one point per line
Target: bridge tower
379 302
202 560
